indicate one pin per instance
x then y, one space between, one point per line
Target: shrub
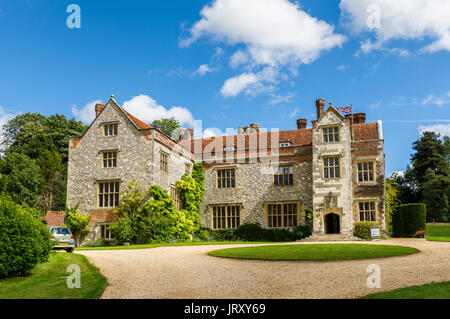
201 234
250 232
302 231
413 218
77 223
155 229
24 240
278 235
362 229
122 230
223 234
408 219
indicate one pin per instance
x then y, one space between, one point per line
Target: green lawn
438 232
190 243
430 291
314 252
45 281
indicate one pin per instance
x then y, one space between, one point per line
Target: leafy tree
45 140
21 179
435 191
31 140
167 125
60 129
77 223
392 202
54 188
430 154
13 126
446 144
406 187
149 216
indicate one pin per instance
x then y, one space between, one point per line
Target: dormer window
110 129
330 134
285 144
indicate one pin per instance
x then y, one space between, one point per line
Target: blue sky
234 63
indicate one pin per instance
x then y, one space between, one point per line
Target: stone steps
330 237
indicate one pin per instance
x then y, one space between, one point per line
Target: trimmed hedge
254 232
24 240
409 219
362 229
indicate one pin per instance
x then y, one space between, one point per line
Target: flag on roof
345 109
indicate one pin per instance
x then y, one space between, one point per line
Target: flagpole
351 110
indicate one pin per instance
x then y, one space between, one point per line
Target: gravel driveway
188 272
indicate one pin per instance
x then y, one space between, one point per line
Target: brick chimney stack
320 105
98 108
357 117
301 123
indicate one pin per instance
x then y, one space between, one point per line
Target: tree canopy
427 178
35 155
167 125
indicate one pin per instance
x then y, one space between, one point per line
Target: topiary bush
24 240
413 218
408 219
362 229
397 226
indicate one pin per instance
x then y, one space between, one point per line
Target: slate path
188 272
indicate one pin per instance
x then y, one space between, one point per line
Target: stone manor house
336 167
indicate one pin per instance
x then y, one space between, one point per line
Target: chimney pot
320 105
301 123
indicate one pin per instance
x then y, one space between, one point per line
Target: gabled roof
137 122
331 109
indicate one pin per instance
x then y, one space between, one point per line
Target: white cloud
238 58
234 86
143 107
202 70
437 100
431 99
147 110
275 33
343 67
277 99
87 113
252 83
399 19
443 129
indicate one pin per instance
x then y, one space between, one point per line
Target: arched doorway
332 224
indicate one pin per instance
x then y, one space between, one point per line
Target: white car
63 238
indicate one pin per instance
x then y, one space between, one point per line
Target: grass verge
429 291
46 280
315 252
192 243
438 232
